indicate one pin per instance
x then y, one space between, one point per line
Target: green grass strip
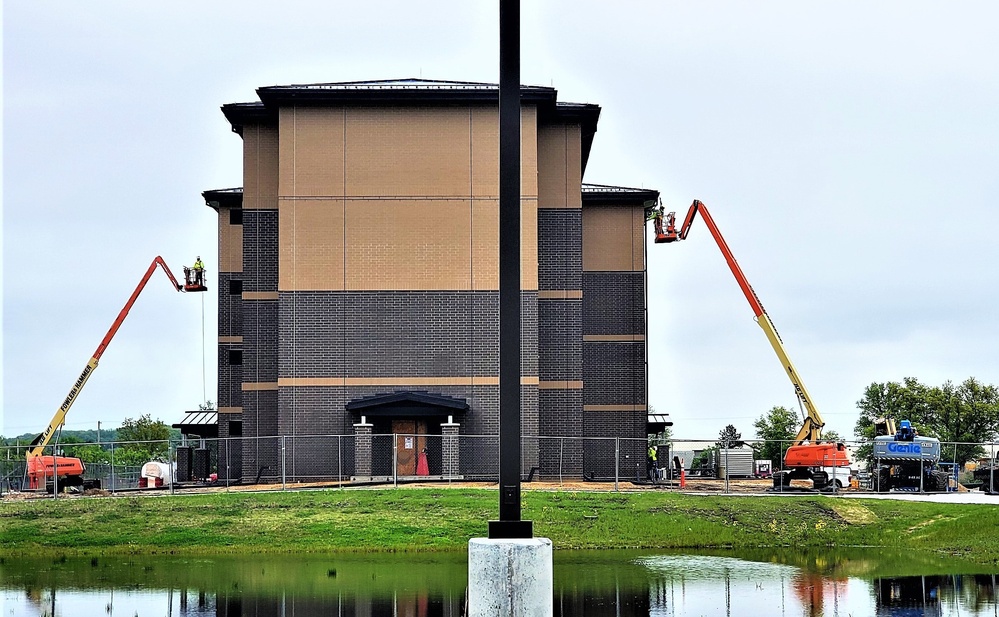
444 520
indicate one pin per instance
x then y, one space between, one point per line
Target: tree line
137 441
966 414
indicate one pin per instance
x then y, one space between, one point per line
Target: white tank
155 473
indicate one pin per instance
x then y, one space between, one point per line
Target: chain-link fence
603 463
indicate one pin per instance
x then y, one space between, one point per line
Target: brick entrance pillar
449 449
362 450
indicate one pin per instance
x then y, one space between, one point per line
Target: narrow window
236 216
235 287
235 356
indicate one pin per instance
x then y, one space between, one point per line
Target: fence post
726 465
992 473
284 463
395 460
228 467
171 462
617 461
55 474
339 460
561 448
112 468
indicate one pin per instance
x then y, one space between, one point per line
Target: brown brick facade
366 259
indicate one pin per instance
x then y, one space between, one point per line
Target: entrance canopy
201 423
413 403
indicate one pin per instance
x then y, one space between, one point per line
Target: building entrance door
410 439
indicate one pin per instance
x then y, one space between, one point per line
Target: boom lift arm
37 446
811 430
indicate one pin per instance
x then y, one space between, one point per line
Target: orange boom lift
43 468
808 455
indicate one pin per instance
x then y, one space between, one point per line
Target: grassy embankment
432 519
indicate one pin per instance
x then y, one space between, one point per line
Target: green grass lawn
444 519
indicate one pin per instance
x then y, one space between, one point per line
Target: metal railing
603 463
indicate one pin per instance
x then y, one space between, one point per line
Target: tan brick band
560 385
613 338
615 407
258 386
230 339
560 294
478 380
230 410
260 295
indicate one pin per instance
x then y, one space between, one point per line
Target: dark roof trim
227 198
396 91
410 92
241 114
606 195
408 402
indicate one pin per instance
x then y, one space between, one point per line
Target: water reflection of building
935 595
398 604
910 595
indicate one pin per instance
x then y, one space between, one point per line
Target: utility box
738 462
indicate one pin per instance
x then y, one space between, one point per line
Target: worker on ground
651 466
199 271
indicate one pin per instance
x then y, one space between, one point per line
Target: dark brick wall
561 415
230 378
260 336
230 306
598 458
230 459
560 248
614 373
320 410
560 340
396 333
260 250
260 422
613 303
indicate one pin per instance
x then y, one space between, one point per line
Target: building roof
408 403
607 195
410 92
230 198
592 194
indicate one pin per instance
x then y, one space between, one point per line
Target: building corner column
450 462
362 449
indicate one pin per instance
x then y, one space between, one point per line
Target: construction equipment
907 461
68 471
808 455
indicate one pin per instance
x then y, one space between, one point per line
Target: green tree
705 459
966 413
777 428
832 436
730 437
90 453
148 439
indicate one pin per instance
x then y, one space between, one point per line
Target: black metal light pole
509 524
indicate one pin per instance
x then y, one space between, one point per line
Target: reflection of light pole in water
728 582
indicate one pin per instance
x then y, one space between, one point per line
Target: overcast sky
848 151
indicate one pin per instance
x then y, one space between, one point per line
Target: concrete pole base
510 578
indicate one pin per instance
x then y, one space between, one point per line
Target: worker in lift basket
199 271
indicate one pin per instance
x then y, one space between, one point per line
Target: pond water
587 584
